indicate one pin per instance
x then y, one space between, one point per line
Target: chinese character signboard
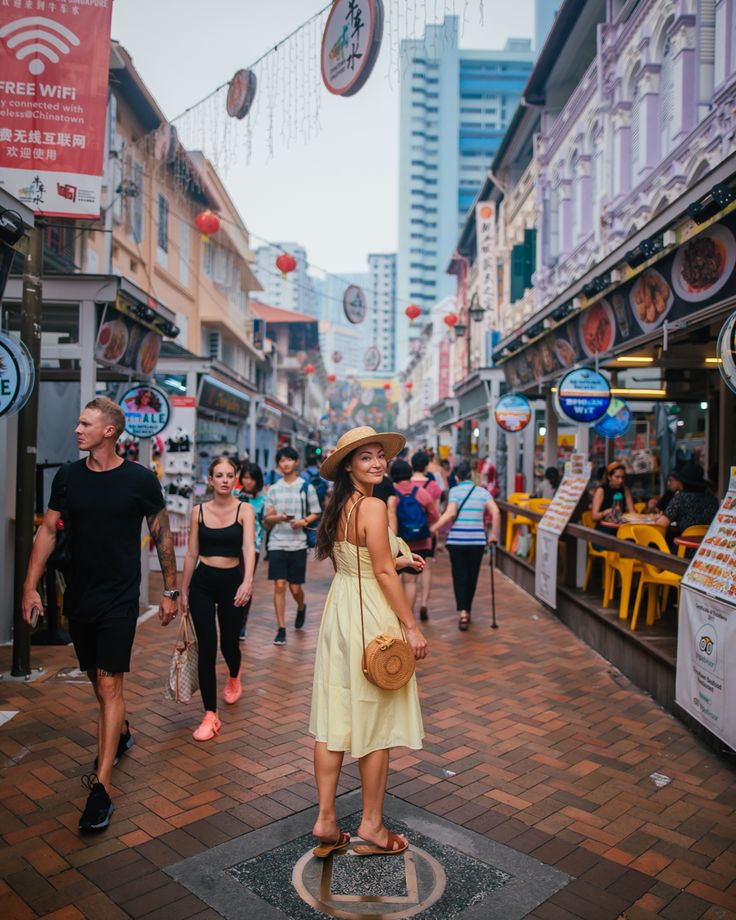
54 60
354 304
512 413
146 411
583 395
350 44
485 233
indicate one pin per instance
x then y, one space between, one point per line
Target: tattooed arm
158 524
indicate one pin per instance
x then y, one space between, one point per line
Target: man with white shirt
292 506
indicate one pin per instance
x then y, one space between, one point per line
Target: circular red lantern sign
309 369
331 378
409 385
450 320
240 93
412 311
207 223
285 263
387 387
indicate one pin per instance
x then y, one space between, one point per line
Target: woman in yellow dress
348 712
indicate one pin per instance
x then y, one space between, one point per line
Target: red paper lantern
309 370
207 223
450 319
409 385
412 311
285 263
387 387
331 378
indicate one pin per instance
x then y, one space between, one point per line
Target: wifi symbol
36 35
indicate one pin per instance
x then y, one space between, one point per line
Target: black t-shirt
105 512
384 490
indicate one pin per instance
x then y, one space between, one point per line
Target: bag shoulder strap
462 503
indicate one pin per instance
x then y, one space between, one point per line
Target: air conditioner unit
267 347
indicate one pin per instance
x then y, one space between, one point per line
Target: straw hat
391 441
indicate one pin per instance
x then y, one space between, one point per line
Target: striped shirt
468 529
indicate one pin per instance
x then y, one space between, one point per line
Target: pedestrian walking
251 491
411 509
435 489
348 712
467 507
103 500
292 506
216 584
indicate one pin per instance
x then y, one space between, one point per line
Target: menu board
556 517
712 569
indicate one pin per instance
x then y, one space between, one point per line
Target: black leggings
215 588
465 562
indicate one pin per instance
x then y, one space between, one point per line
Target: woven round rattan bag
388 662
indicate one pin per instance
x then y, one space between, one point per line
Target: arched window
666 99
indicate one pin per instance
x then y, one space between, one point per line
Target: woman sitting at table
693 504
658 505
611 498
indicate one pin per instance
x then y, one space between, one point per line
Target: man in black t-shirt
102 501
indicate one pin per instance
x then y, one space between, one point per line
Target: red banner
54 59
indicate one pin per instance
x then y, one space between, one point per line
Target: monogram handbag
183 680
387 662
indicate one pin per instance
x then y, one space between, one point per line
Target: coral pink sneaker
233 690
209 728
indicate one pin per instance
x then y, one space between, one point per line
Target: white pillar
582 440
550 438
87 363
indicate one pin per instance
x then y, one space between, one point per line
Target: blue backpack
412 518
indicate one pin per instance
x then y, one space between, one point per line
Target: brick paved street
532 740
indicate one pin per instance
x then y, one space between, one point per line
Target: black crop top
221 541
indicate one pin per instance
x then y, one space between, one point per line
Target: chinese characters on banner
54 60
444 380
556 517
485 233
350 44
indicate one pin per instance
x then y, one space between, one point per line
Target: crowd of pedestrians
378 514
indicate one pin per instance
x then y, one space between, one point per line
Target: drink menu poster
713 567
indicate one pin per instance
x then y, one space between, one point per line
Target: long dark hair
341 492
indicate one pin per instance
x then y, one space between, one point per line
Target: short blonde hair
111 411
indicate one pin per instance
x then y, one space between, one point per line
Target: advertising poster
122 342
54 61
147 410
583 395
512 413
556 518
697 274
706 648
712 569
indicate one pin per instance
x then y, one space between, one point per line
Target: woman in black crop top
217 582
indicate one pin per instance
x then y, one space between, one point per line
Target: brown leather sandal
463 622
394 846
331 846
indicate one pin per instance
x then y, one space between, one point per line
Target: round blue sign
616 422
583 395
146 410
512 412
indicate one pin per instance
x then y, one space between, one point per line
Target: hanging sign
122 342
556 518
372 359
726 351
17 375
583 395
616 422
350 44
54 61
354 304
146 410
485 234
240 93
513 413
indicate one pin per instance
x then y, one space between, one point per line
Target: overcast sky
183 49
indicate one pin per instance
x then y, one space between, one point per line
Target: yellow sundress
348 712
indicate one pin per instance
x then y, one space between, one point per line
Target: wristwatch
172 593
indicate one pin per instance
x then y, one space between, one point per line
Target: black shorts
287 565
425 554
104 645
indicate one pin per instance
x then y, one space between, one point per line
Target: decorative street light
460 329
475 310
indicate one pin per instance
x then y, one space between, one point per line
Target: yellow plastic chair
539 505
651 577
697 530
593 553
512 520
640 507
626 568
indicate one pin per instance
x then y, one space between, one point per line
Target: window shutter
666 98
530 256
517 272
635 135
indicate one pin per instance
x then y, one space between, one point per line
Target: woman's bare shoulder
373 508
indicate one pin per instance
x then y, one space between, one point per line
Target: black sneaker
423 615
242 634
99 807
300 614
280 637
125 743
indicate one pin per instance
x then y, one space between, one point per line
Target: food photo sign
706 636
122 342
697 274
